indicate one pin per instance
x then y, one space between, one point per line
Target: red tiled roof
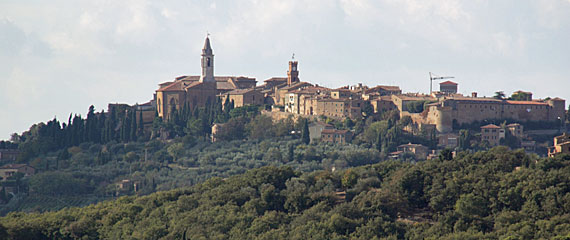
526 102
448 83
332 131
490 126
175 86
276 79
240 91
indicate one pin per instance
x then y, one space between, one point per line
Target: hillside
494 194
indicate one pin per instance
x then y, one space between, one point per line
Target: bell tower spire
292 73
207 62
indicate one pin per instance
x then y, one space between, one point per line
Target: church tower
207 63
292 73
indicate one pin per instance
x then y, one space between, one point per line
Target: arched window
208 62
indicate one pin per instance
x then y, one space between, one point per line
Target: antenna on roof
207 34
293 57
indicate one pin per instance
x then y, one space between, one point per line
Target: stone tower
292 73
207 63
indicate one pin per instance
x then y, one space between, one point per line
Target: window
208 62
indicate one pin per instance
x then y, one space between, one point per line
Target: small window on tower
208 62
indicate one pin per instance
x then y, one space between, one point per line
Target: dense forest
496 194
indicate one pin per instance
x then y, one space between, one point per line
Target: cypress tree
133 127
379 141
306 137
101 131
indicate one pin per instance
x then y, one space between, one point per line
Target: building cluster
561 145
441 111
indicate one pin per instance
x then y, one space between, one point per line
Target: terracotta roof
334 131
448 83
240 91
384 87
490 126
526 102
297 85
175 86
521 91
311 90
15 166
411 145
414 98
557 99
513 125
192 84
224 85
276 79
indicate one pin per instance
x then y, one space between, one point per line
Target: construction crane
435 77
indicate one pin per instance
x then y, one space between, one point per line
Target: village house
9 170
561 145
515 130
383 104
419 150
316 128
243 97
448 140
336 136
448 87
492 134
383 90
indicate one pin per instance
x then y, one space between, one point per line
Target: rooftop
490 126
448 83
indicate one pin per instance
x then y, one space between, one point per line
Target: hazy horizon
60 58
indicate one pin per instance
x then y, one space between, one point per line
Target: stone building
492 134
242 97
336 136
383 104
516 130
339 108
561 145
197 91
453 111
9 170
316 128
448 87
301 101
419 150
383 90
401 101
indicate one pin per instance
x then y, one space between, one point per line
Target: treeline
119 125
498 194
8 145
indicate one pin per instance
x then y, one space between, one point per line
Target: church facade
197 91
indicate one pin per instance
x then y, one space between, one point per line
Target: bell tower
207 62
292 73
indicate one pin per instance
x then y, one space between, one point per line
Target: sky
59 57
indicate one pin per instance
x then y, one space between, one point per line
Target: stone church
197 91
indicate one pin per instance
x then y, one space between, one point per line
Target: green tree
305 133
379 141
499 95
176 150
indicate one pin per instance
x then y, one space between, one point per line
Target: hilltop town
364 161
441 113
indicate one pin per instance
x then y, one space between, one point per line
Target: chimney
474 94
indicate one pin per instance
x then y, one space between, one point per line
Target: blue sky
61 57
